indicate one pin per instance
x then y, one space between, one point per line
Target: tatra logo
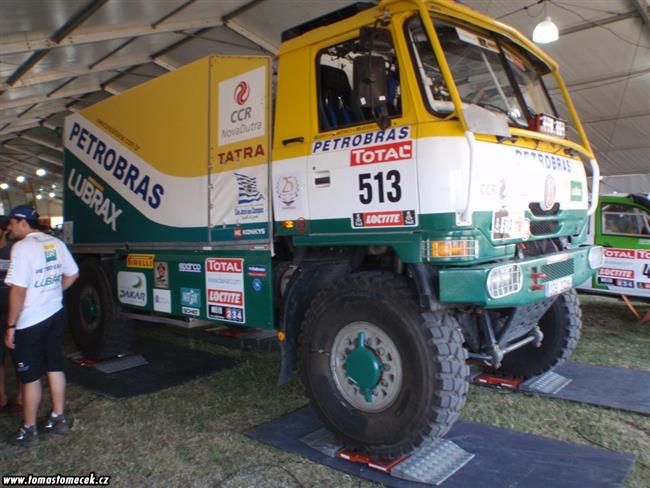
92 194
241 93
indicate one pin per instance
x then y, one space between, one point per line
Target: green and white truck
414 203
621 225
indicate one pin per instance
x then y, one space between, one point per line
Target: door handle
293 140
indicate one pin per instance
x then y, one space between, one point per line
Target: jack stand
548 383
431 464
110 365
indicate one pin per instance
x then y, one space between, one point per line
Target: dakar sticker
132 288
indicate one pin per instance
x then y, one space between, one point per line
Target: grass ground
191 435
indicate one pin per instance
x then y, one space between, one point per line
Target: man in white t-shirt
41 267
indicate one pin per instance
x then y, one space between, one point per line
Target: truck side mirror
371 87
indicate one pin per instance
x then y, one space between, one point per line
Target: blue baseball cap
24 211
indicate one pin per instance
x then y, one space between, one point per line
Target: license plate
558 286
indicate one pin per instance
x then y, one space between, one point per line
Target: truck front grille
537 211
544 227
554 271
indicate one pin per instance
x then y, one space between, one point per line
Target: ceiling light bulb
545 32
4 186
52 194
20 179
41 172
53 185
39 197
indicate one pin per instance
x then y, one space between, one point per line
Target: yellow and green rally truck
407 202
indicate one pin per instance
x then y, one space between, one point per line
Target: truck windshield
485 72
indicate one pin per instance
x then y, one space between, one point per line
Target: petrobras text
547 161
91 193
117 165
359 140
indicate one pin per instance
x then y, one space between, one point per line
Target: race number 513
380 187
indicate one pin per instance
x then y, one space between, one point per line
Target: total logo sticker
384 153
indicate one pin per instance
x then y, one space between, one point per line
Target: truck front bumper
531 279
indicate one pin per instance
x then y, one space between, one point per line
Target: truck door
361 177
623 228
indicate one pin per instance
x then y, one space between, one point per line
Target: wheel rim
366 367
90 309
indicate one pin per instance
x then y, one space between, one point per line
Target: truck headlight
596 257
504 280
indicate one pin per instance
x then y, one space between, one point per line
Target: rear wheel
92 314
384 375
561 328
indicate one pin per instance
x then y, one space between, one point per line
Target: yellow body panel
163 121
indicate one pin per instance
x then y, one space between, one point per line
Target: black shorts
39 348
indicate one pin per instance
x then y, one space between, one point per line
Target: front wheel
383 375
561 328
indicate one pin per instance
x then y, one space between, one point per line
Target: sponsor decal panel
91 193
190 297
161 274
242 108
239 233
224 284
189 267
162 300
140 261
194 312
616 273
576 191
250 201
625 269
507 224
397 218
256 270
384 153
132 288
361 140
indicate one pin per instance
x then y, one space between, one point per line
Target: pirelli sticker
144 261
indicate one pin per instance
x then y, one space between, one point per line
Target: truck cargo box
182 158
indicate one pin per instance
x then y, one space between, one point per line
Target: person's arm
16 301
69 280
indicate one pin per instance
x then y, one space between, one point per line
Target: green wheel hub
363 367
366 367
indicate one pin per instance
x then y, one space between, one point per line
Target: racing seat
336 104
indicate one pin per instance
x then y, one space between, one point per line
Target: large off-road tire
96 330
561 327
410 363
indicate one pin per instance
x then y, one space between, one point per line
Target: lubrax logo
92 194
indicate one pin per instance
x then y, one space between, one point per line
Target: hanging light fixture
20 179
41 172
546 31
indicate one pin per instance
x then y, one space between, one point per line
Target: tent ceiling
62 55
